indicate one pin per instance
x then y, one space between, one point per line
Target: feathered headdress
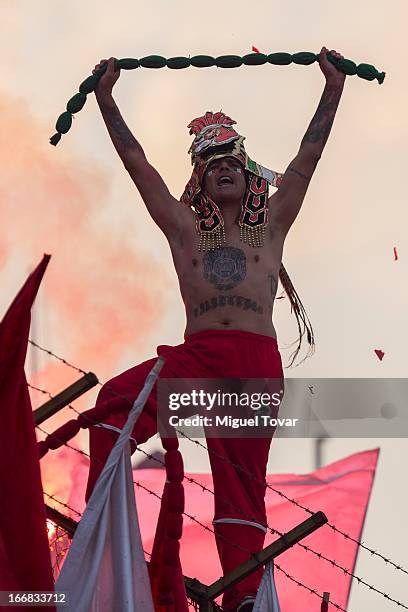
215 138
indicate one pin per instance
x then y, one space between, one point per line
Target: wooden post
197 591
325 602
64 398
66 523
267 554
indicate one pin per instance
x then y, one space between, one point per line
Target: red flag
341 490
395 254
25 563
379 354
255 50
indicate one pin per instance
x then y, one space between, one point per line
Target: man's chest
230 267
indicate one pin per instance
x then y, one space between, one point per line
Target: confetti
255 50
379 353
395 254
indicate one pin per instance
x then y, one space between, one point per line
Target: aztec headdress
215 138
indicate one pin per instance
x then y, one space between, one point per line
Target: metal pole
64 398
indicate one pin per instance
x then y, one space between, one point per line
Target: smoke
103 289
3 255
103 292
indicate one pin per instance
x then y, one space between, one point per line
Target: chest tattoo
225 267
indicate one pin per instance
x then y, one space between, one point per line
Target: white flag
267 597
105 569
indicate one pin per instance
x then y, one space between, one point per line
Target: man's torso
231 287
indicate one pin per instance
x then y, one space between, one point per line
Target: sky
110 294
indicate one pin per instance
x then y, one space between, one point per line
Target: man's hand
330 72
108 79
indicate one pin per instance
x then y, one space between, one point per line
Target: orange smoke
58 468
104 293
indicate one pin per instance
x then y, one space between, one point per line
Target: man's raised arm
155 194
285 204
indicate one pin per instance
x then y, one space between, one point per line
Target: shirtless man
226 237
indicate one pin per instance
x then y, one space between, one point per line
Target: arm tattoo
320 126
120 128
122 138
303 176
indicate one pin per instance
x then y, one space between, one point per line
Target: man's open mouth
225 180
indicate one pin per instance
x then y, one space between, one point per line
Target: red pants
209 354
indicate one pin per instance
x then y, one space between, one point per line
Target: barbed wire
62 503
56 538
274 531
64 361
59 555
281 534
190 601
233 506
195 520
293 501
30 386
359 543
75 512
58 545
78 450
44 392
204 488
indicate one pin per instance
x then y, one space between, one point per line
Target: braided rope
305 58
